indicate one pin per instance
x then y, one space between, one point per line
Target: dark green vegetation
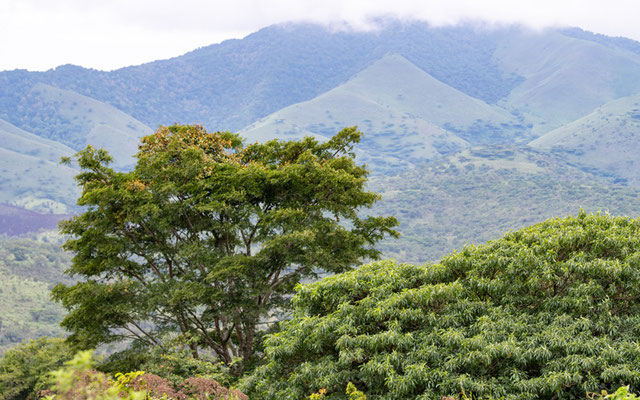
550 311
24 369
207 237
28 270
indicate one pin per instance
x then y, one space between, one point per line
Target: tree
24 368
547 312
208 237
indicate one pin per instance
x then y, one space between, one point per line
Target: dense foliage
24 369
550 311
207 237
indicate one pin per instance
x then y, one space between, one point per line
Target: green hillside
564 78
608 139
15 139
28 270
232 84
404 112
393 82
476 195
35 183
89 122
30 173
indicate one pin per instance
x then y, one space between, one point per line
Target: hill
564 77
406 114
17 140
477 194
232 84
76 120
608 139
396 122
28 269
31 177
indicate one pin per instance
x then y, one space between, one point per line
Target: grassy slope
607 139
30 173
564 78
393 139
35 183
15 139
28 268
401 109
481 193
98 123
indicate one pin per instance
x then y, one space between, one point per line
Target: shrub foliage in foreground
550 311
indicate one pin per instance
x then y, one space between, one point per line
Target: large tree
207 236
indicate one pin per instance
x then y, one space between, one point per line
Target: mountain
607 139
564 78
418 92
76 120
394 102
405 113
15 139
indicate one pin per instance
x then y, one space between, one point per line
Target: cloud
39 34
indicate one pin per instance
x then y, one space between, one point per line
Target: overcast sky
108 34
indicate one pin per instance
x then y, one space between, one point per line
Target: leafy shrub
550 311
620 394
172 361
23 369
79 381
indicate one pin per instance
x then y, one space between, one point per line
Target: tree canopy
549 311
207 236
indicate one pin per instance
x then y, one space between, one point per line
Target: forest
217 269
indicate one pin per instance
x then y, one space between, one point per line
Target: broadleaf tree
208 237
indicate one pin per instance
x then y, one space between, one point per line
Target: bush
79 381
24 368
550 311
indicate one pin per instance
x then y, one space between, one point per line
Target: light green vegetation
28 270
24 369
608 139
564 78
90 122
30 174
474 196
409 116
547 312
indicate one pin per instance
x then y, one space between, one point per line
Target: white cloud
40 34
